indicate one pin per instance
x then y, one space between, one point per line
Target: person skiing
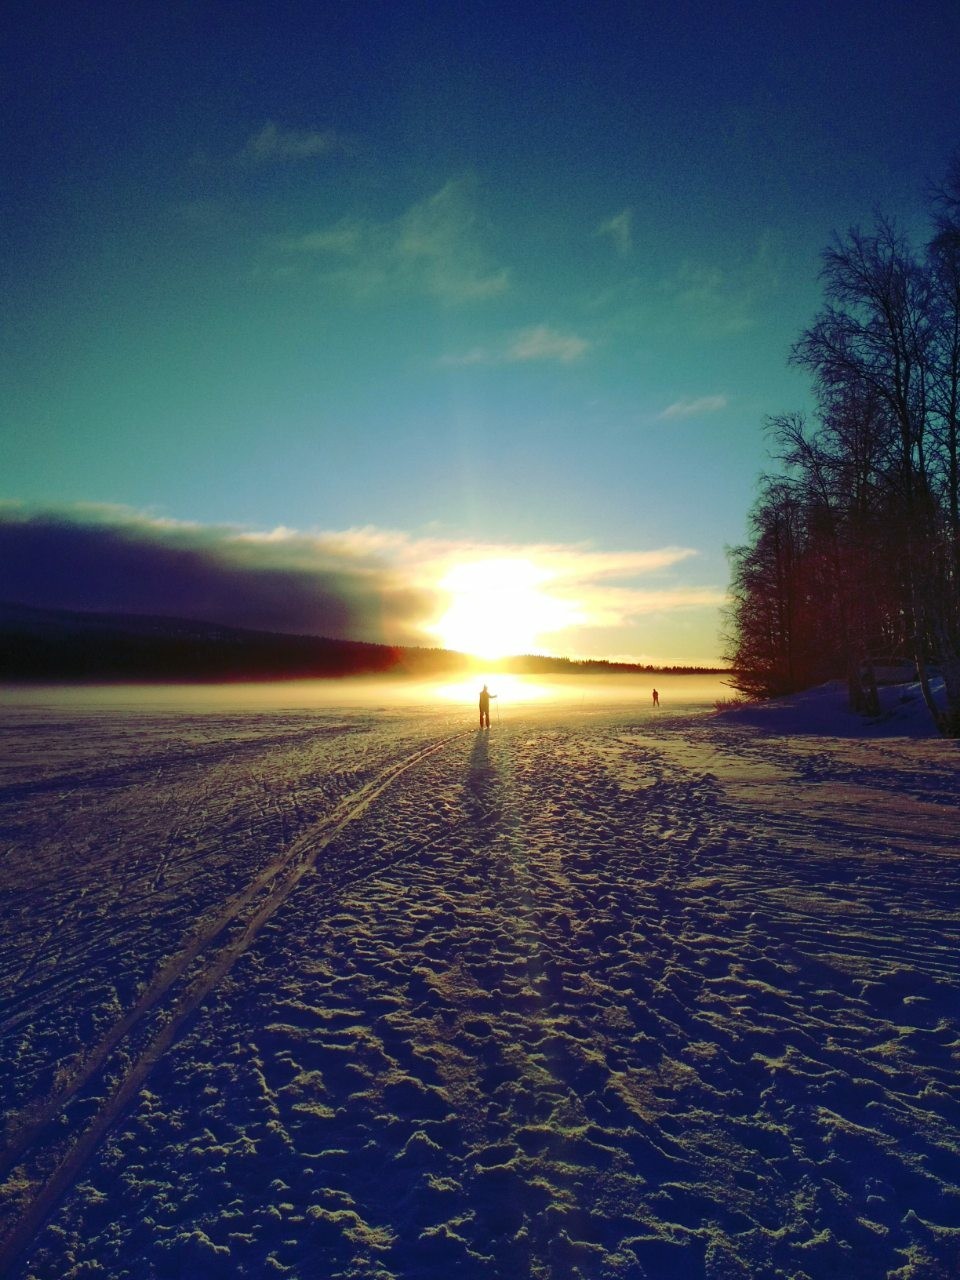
656 698
485 696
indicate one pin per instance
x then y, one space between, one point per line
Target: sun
498 607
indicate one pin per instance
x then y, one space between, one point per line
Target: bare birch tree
855 548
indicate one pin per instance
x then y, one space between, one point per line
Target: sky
429 323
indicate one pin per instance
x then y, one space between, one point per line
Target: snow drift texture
375 995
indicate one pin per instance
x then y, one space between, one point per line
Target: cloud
619 229
433 249
723 301
112 560
704 299
537 343
476 355
344 237
363 583
710 299
600 589
589 601
544 343
694 408
619 608
271 145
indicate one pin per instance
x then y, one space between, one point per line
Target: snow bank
826 710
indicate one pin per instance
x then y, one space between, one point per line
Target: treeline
854 546
529 664
55 645
63 645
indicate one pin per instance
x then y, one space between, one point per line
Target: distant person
656 698
485 696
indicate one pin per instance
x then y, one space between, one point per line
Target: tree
855 547
776 645
944 266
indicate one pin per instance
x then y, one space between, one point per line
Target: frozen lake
678 693
323 982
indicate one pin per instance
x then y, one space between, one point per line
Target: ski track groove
279 880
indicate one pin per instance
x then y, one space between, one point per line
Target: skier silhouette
485 697
656 698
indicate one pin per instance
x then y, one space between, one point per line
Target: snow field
594 996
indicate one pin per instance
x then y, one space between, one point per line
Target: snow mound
825 710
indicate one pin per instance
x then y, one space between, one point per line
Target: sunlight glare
511 691
498 608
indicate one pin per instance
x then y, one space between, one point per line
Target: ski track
569 999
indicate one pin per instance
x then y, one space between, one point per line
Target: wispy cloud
344 237
475 355
619 230
434 249
567 562
724 300
705 299
710 299
539 342
694 408
609 607
601 592
271 144
590 602
544 343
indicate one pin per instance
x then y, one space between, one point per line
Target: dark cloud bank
114 596
133 566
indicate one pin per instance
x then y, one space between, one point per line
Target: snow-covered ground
347 988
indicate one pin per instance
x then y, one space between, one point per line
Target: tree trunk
864 696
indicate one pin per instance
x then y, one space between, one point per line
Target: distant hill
60 645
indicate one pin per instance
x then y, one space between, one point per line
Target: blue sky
389 288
